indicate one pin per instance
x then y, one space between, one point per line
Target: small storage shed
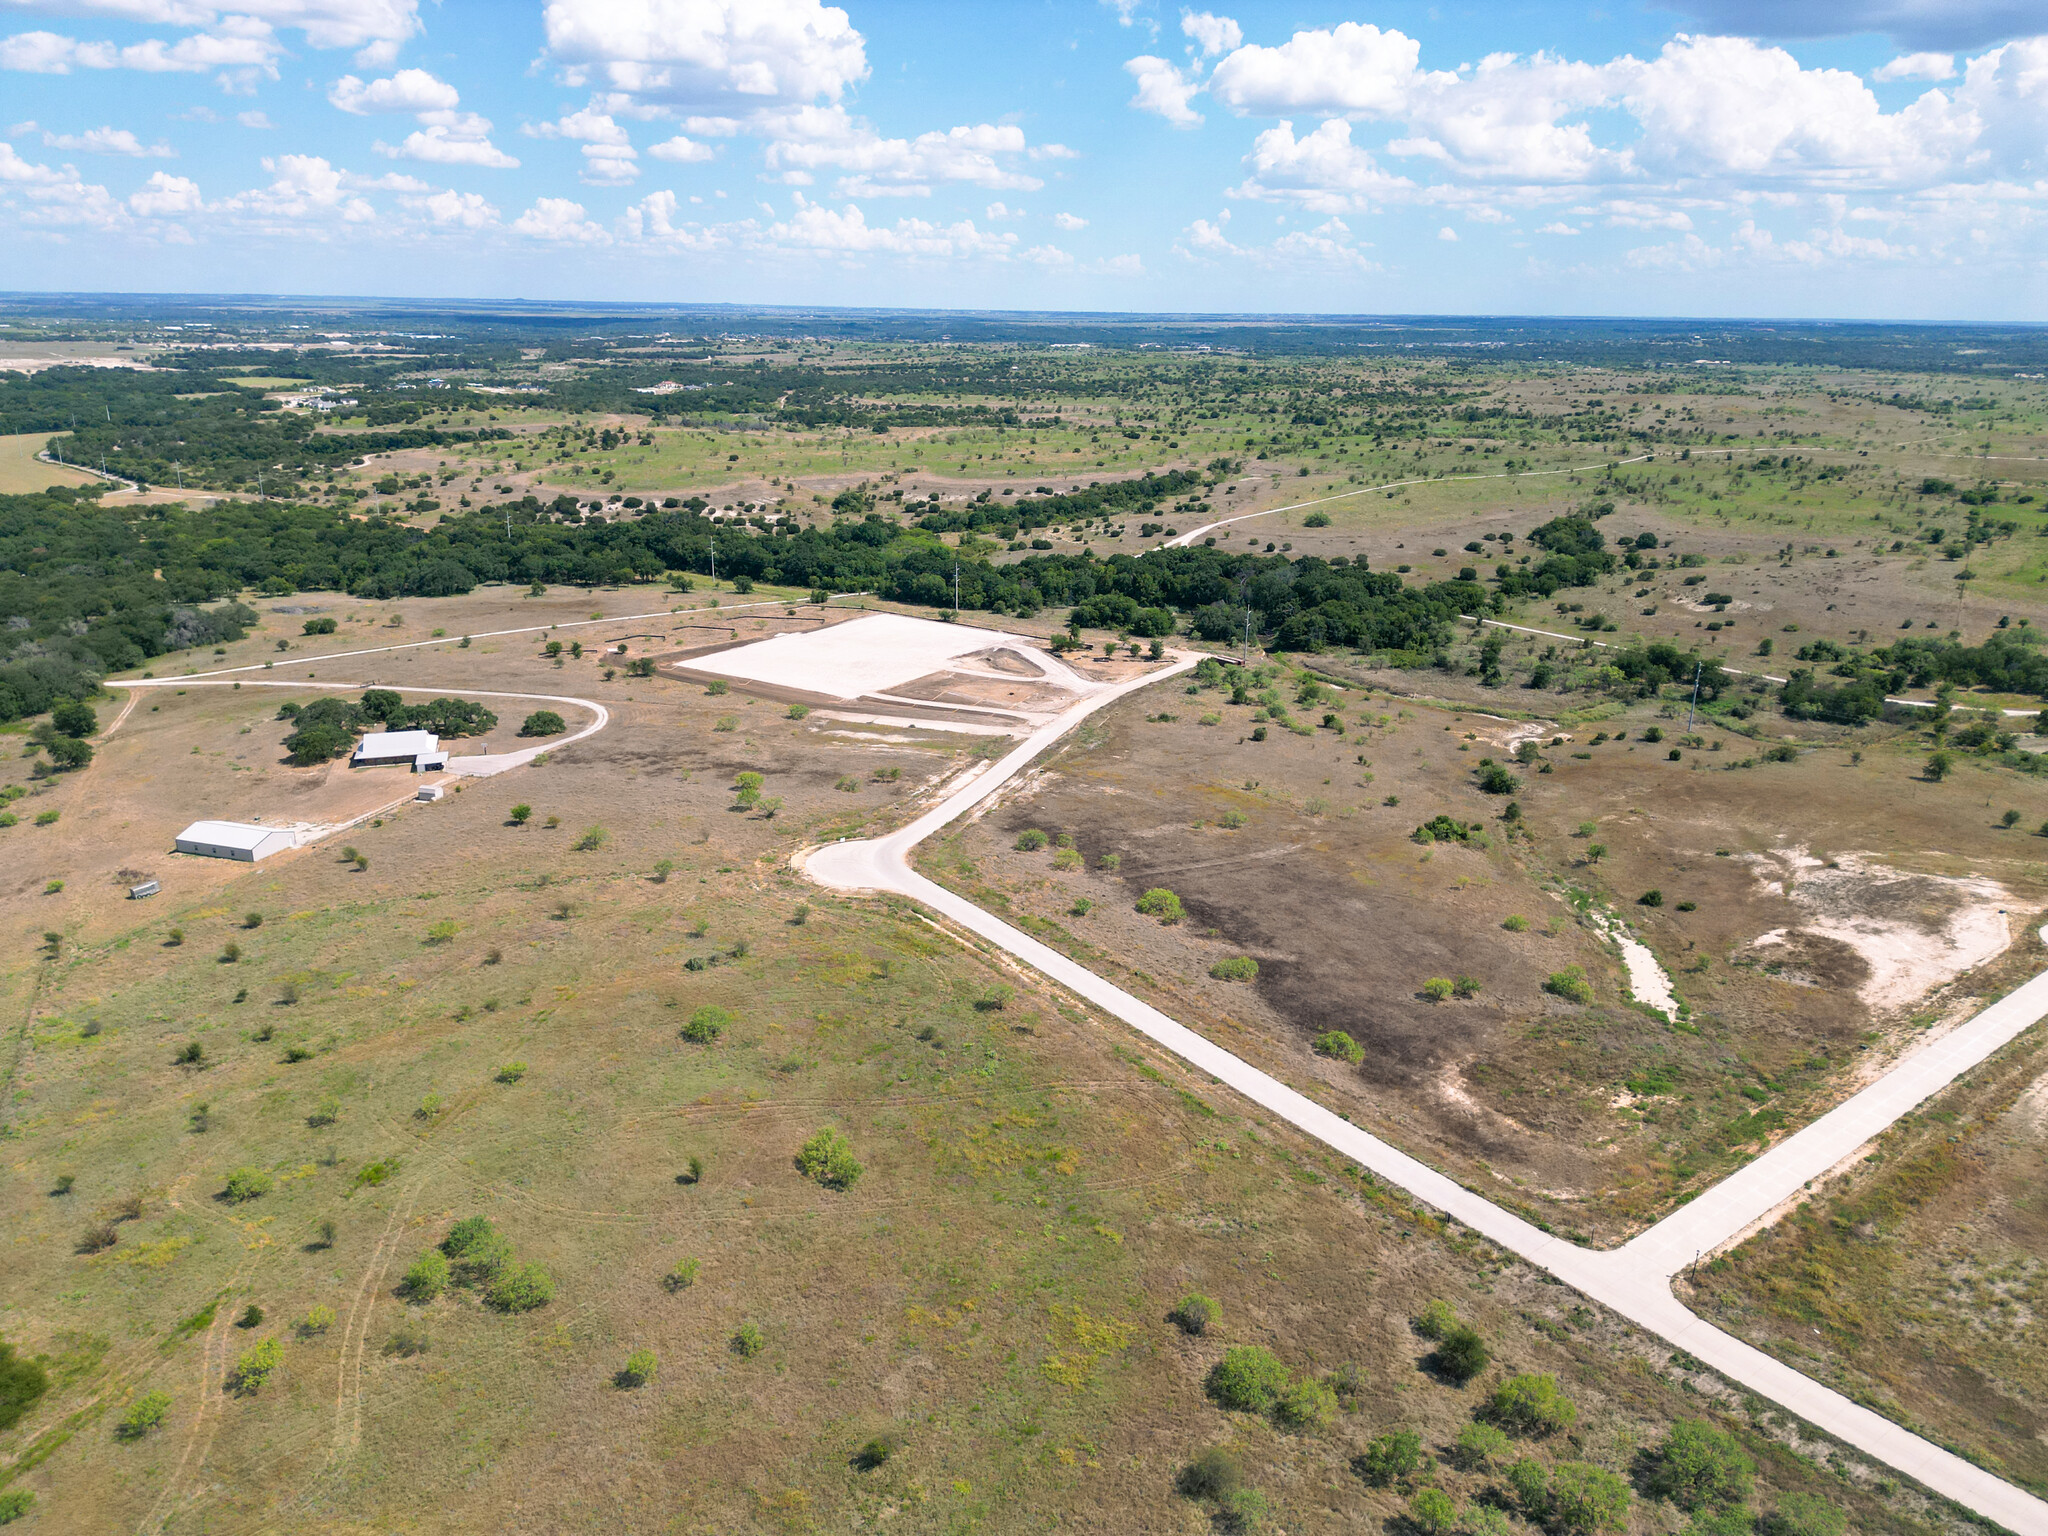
235 840
418 750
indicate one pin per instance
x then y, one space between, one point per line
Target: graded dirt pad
487 1020
1596 1118
1917 1281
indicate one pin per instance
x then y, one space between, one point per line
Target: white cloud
451 138
813 139
608 154
1558 227
1212 34
241 44
1917 66
165 195
53 202
1053 152
1210 239
1046 256
462 210
1069 221
653 220
559 219
1353 68
1447 233
254 120
1163 89
108 141
1324 171
234 35
996 212
305 189
410 90
846 231
1635 213
1121 266
704 55
686 151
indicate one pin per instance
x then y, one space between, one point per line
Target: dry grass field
21 470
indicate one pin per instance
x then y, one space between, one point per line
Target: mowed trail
1633 1280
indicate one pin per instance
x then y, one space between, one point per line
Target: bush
748 1341
1570 984
316 1322
639 1370
1391 1457
1438 989
22 1382
318 627
14 1503
1194 1314
521 814
252 1317
682 1277
146 1413
1531 1404
1516 924
1480 1446
521 1288
1698 1465
1161 903
1249 1379
1434 1320
1806 1514
1338 1046
1586 1498
1238 968
1309 1405
1650 899
427 1278
1433 1512
1496 780
1215 1474
593 838
1531 1482
543 722
407 1339
246 1184
477 1250
1031 840
706 1025
253 1368
75 719
875 1455
1462 1354
828 1158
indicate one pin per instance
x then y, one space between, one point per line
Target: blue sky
1710 157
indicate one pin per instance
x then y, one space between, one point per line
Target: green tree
543 722
1161 903
1194 1314
1531 1481
1438 989
521 814
1531 1404
828 1158
1433 1512
706 1025
146 1413
427 1278
1392 1457
1248 1379
1698 1465
246 1184
75 719
1338 1046
1584 1499
1480 1446
22 1381
1939 765
521 1288
1462 1354
1308 1405
254 1367
639 1369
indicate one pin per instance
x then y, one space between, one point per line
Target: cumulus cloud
254 120
1069 221
558 219
813 139
1916 66
410 90
53 202
683 150
240 45
165 196
306 190
108 141
451 138
238 39
1212 34
846 231
999 211
1164 90
451 209
608 154
707 55
1323 170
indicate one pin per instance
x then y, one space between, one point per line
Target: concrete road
1634 1280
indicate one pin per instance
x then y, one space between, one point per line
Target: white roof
230 834
398 744
844 661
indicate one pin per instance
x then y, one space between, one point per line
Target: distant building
235 840
418 750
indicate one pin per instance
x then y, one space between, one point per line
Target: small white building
235 840
418 750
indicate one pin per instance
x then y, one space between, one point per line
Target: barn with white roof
420 751
241 840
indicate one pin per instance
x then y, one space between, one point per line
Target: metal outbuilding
418 750
235 840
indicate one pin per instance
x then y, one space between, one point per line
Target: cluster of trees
2010 661
327 728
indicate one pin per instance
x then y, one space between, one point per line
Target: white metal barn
235 840
418 750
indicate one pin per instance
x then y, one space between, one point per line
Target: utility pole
956 586
1697 668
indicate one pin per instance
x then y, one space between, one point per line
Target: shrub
316 1322
254 1366
1516 924
1531 1482
14 1503
1309 1405
478 1250
828 1158
875 1454
521 1288
521 814
1391 1457
1161 903
1531 1404
407 1339
1586 1498
1650 899
593 838
1939 765
1433 1512
1438 989
1434 1320
190 1054
22 1382
1570 984
1480 1446
252 920
706 1025
1237 968
1215 1474
748 1341
798 711
246 1184
1338 1046
1249 1378
252 1317
543 722
511 1072
146 1413
1496 780
318 627
639 1370
1031 840
1698 1465
98 1237
1462 1354
427 1278
1194 1313
682 1277
1806 1514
